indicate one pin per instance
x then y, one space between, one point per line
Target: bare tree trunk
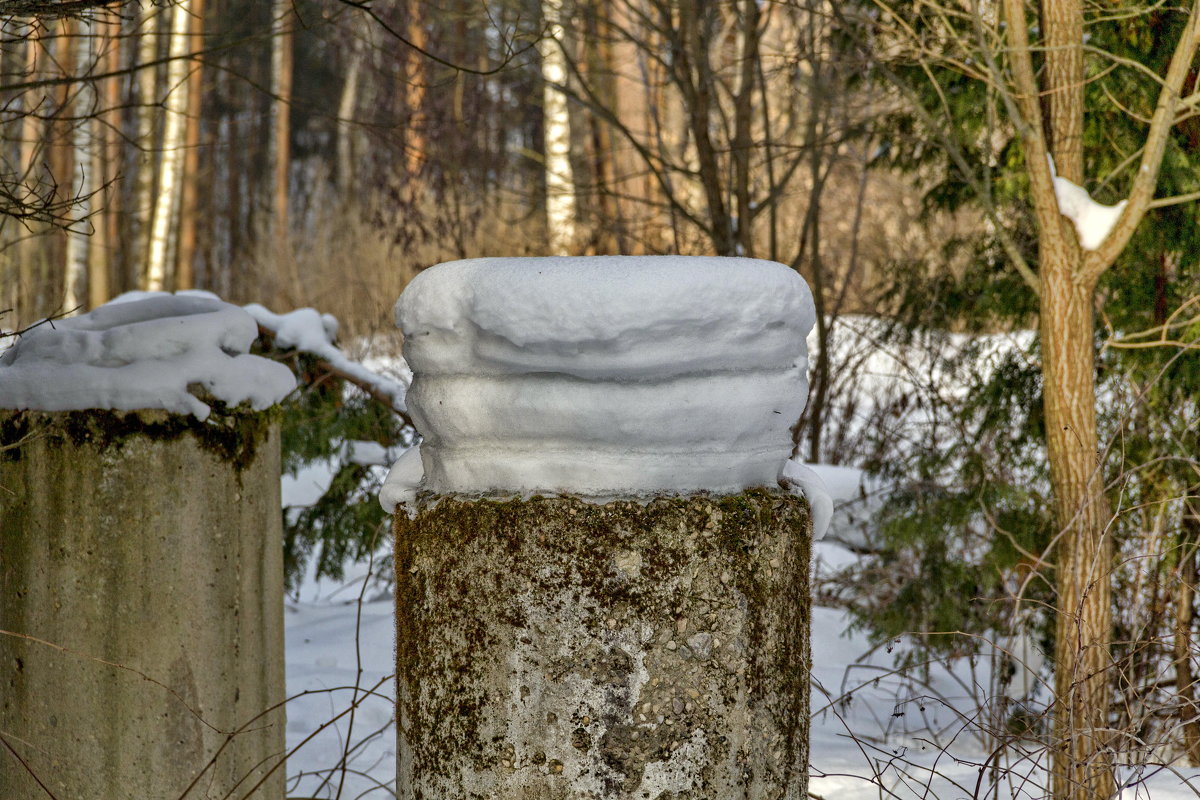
693 76
81 106
1185 673
347 161
112 252
1083 568
144 178
1082 769
605 237
32 131
170 171
185 274
560 178
281 137
743 142
56 266
104 157
416 80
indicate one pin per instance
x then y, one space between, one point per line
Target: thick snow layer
605 376
146 352
1092 220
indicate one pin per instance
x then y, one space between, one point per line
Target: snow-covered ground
876 733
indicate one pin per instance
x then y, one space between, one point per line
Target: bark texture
151 542
552 648
1082 764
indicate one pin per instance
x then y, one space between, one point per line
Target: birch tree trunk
83 178
347 107
560 179
108 250
158 273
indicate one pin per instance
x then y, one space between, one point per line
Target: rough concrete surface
551 649
148 548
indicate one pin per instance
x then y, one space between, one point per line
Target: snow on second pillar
601 589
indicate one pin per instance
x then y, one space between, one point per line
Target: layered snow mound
147 352
604 376
623 317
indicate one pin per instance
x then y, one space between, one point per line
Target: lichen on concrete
551 648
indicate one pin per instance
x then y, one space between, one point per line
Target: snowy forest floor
875 733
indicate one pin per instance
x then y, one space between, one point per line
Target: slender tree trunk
560 178
81 107
605 239
743 142
111 155
103 157
185 275
147 112
1082 769
170 171
416 80
1185 673
58 268
281 84
694 77
347 108
281 137
32 131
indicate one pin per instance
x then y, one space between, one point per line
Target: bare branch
1142 192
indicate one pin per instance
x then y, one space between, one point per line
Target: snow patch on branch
312 332
1093 221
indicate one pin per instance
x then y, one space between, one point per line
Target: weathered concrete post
140 558
602 592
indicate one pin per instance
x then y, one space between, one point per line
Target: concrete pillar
553 648
145 548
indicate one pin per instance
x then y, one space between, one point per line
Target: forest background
321 152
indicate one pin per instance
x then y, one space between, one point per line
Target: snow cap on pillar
143 351
607 376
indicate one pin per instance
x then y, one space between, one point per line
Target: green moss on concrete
231 434
506 608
